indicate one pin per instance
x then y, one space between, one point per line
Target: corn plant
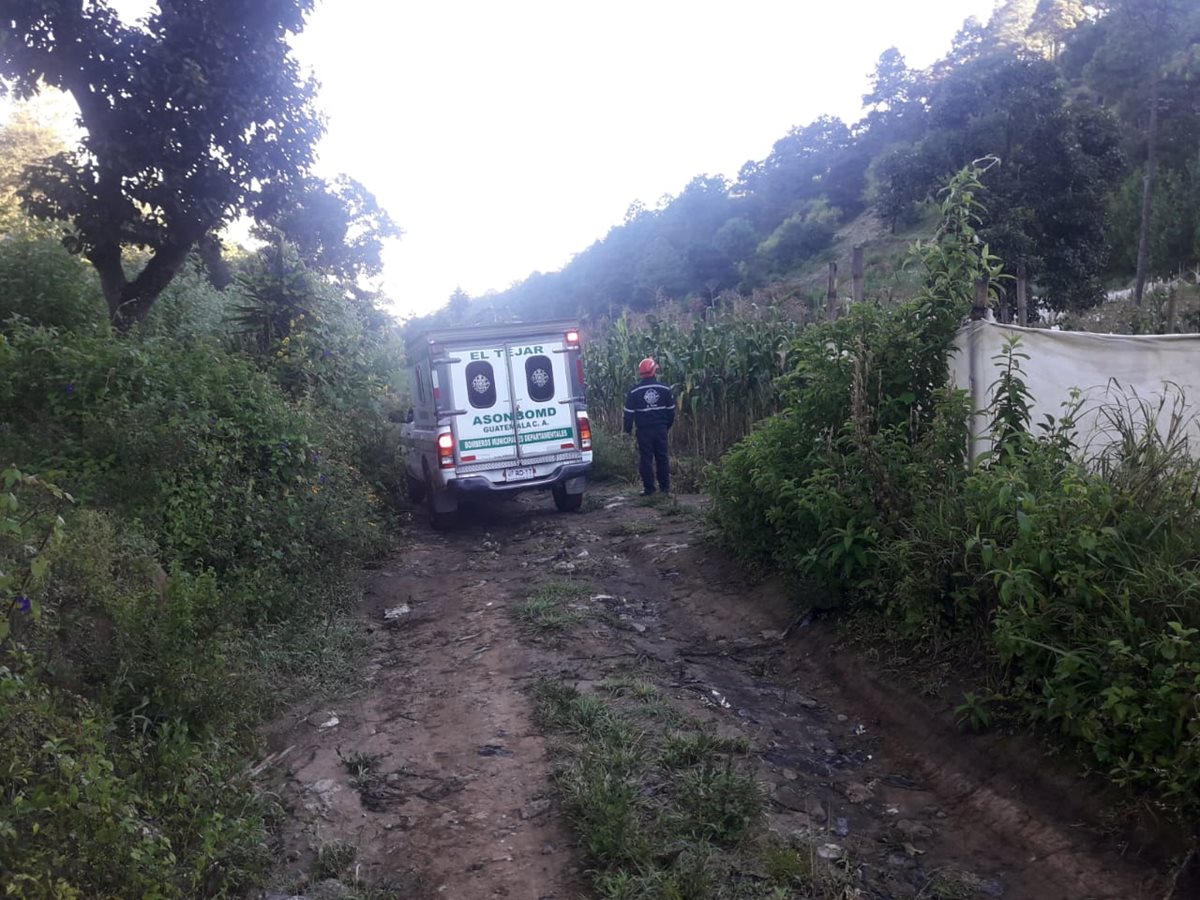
723 369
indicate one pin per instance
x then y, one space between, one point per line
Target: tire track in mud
460 802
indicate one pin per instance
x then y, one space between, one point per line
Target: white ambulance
497 409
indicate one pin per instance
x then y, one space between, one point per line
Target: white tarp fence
1104 367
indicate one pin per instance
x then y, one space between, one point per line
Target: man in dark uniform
651 406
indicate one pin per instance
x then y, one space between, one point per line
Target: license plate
518 474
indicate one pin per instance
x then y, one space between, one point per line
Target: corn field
723 369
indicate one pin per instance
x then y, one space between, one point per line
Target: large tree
1047 200
1053 21
1009 25
1146 67
24 142
338 227
188 116
809 162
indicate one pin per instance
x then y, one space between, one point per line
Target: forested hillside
1082 104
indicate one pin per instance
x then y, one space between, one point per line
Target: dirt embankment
433 781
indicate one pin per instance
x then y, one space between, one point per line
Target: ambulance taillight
445 446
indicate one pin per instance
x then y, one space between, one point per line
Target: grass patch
672 507
309 658
548 609
560 707
333 860
628 686
660 810
659 711
786 867
719 802
363 769
665 504
335 863
614 458
691 748
951 884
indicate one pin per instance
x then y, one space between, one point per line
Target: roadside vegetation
1070 581
662 807
195 455
552 608
182 511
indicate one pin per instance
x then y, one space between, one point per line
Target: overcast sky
504 136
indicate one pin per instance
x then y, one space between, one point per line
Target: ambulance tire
566 502
438 520
416 488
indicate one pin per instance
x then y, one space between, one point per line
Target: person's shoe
647 494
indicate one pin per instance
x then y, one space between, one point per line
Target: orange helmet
647 366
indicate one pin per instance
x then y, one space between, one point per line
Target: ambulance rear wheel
416 488
566 502
439 520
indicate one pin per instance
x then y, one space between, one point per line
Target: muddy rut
433 781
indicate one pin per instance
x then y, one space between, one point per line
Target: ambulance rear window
539 378
481 385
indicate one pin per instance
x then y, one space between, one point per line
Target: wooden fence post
1022 302
856 273
979 300
831 293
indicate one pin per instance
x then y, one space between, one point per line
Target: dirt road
433 781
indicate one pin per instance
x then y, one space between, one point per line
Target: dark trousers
652 454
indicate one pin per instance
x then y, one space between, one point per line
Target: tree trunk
1143 255
831 293
856 272
1022 302
106 260
129 301
979 300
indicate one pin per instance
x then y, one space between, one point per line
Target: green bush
92 805
1081 577
194 577
814 489
114 693
1073 581
192 309
329 347
614 458
44 284
196 445
800 236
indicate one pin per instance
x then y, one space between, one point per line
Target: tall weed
183 559
1071 572
814 489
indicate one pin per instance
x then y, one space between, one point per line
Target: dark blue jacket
650 405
